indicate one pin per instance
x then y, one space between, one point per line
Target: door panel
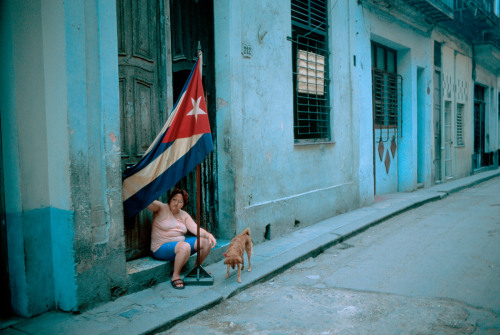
387 99
140 91
437 126
386 161
141 116
448 142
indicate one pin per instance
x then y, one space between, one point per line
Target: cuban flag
184 141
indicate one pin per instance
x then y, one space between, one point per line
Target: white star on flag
196 108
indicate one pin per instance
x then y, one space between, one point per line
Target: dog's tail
246 232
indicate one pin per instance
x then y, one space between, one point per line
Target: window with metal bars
310 70
387 88
459 125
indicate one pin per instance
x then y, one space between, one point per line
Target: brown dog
234 254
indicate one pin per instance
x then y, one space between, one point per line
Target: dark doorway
150 81
437 120
192 28
478 157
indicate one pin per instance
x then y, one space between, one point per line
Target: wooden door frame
166 90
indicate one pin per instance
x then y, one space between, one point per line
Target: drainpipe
350 76
455 114
472 104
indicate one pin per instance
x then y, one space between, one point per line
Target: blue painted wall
264 177
60 131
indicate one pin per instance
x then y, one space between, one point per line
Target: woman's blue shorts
167 251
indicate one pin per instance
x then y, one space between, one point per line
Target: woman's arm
155 206
192 228
207 235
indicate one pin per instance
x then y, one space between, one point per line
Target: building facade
316 108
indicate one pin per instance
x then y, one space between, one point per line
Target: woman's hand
211 239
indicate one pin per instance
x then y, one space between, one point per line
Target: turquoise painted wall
41 268
60 131
264 177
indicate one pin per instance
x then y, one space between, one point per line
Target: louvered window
459 124
310 70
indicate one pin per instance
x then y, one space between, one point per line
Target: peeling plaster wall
38 218
355 69
94 128
60 131
264 178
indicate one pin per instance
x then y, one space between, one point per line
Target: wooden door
141 106
150 81
448 141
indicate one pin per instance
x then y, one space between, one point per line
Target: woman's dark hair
185 196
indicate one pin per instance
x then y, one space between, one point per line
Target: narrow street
432 270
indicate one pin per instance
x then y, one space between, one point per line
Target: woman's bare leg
205 248
182 253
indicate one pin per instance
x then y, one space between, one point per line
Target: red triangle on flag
192 114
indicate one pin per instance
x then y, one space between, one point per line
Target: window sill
311 142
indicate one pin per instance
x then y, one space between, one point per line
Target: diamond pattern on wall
380 150
387 162
393 146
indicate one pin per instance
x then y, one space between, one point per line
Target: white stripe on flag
137 181
166 125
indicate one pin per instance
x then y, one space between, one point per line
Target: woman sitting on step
168 240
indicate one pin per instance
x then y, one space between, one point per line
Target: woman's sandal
176 283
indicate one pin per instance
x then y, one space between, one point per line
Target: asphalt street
430 270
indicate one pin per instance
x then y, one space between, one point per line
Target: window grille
387 99
387 93
310 70
459 125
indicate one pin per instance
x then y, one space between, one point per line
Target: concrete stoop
147 272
